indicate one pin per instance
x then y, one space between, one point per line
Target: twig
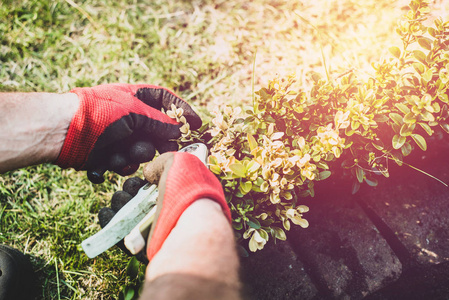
425 173
252 78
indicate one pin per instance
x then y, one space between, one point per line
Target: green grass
203 50
46 212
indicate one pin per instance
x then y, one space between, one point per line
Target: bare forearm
33 127
199 254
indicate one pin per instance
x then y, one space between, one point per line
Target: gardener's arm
191 246
107 127
33 127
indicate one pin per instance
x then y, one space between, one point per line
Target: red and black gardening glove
182 179
119 126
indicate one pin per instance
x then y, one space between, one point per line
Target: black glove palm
130 188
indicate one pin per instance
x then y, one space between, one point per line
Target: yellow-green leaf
302 222
349 131
409 118
360 174
322 165
286 224
398 141
436 107
380 118
419 55
302 209
215 169
262 216
403 108
263 234
248 233
355 187
419 67
406 149
432 31
427 76
355 125
276 135
378 145
397 156
253 166
212 160
324 174
395 51
252 142
445 127
444 111
287 195
426 43
264 186
397 118
279 233
371 181
420 141
253 246
238 169
426 127
406 130
245 187
427 116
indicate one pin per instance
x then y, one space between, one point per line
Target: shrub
268 156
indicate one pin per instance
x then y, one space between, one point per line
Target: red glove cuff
83 131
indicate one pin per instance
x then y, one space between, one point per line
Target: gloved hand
118 126
130 188
182 179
